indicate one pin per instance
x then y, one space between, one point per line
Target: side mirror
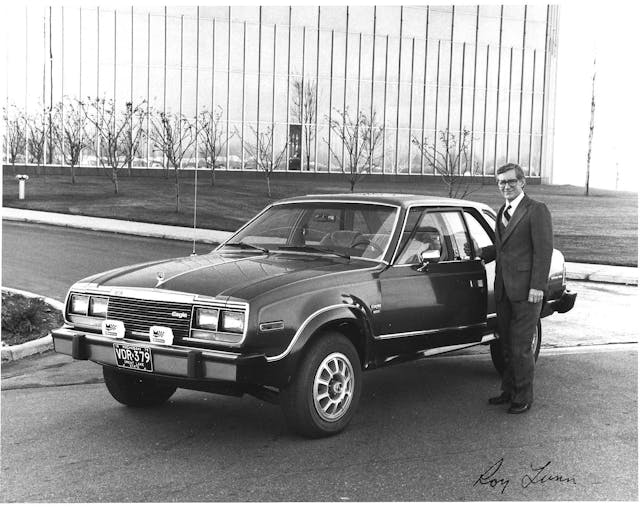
429 256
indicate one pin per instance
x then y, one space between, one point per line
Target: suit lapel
519 214
499 225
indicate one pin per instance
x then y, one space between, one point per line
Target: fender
350 310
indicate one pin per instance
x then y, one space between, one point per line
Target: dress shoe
519 408
503 399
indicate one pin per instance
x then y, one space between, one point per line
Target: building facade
428 79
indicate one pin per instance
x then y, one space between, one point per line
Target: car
298 303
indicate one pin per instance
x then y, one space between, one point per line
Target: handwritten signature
492 477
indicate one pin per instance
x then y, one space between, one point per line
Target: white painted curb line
13 352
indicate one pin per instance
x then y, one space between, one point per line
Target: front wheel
496 348
324 394
136 391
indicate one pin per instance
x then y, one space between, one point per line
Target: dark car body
265 303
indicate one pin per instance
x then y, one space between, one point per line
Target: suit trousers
517 321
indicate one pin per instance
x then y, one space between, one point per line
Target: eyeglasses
504 183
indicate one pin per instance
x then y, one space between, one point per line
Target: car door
436 304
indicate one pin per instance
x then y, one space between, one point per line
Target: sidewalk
623 275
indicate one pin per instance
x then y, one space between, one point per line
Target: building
419 76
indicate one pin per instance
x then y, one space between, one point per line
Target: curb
14 352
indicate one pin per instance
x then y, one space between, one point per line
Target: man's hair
508 167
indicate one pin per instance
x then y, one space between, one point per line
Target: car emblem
179 315
160 276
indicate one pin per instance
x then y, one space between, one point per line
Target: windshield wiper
310 248
242 244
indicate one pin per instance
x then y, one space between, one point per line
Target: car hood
236 275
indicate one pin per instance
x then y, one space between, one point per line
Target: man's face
509 185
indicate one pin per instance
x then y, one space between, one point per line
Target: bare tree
266 156
451 160
303 110
69 134
360 137
173 135
212 142
14 133
37 128
118 133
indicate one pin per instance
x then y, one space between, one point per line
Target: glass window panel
251 53
536 32
381 62
235 92
534 168
414 23
275 14
389 151
512 30
250 13
333 18
489 25
501 157
388 20
464 29
440 23
361 18
173 42
352 56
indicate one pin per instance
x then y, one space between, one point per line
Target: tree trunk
114 178
268 186
73 175
353 184
213 176
177 182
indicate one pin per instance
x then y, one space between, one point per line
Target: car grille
139 315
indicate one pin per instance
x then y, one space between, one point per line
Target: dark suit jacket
522 251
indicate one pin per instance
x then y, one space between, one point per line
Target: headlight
207 318
232 322
98 306
79 304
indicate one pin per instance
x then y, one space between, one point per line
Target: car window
355 229
456 235
423 231
479 236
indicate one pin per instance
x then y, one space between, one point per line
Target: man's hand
535 295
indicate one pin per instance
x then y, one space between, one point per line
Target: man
523 249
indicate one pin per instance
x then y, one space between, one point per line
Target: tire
323 396
496 349
136 391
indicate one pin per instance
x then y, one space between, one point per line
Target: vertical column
473 96
330 106
522 60
509 99
384 107
533 96
180 92
373 75
315 135
288 87
424 91
303 124
148 82
435 114
460 127
398 97
413 46
344 94
273 91
453 15
259 83
228 87
97 140
244 74
484 121
495 146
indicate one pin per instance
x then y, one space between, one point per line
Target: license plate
134 357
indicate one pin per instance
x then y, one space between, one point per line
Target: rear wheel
496 348
136 391
323 396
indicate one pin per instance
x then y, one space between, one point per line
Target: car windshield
322 228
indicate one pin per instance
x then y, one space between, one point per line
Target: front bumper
168 360
561 305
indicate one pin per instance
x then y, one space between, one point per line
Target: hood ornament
160 277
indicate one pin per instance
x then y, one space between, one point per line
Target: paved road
48 259
423 432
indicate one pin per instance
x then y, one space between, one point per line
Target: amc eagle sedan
295 305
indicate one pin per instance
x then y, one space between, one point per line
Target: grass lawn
25 319
601 228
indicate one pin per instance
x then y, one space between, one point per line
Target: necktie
506 216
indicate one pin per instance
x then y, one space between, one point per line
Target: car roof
395 199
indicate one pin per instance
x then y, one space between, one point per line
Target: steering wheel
377 249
